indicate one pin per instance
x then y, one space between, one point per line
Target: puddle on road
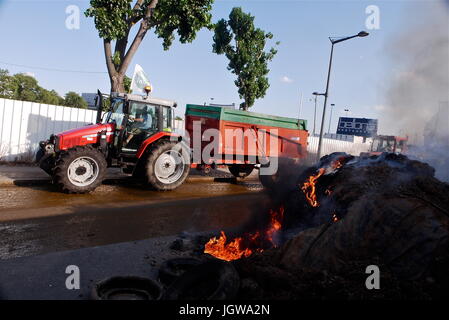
16 197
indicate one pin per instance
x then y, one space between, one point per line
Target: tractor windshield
115 114
383 145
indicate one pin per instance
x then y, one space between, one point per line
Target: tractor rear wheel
241 170
80 170
167 166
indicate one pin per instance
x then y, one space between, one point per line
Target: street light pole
316 94
326 94
314 116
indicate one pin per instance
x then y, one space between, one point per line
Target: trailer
246 140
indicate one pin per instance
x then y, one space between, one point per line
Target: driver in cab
139 120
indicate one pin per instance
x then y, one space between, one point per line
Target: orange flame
226 251
309 188
275 223
239 247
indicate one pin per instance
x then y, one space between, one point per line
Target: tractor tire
241 170
167 166
80 170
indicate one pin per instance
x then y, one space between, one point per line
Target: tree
74 100
7 87
244 46
26 88
50 97
114 20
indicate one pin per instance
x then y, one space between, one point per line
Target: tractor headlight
50 148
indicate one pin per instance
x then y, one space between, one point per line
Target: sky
34 34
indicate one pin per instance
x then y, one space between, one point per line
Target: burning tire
241 170
80 170
167 166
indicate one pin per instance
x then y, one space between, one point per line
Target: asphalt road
39 219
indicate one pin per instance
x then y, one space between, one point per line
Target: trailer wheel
269 181
167 166
80 170
241 170
287 173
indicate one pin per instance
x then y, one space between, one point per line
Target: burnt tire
172 269
212 280
167 166
80 170
241 170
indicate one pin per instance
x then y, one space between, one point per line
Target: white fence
23 124
333 145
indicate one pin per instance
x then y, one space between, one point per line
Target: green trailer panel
227 114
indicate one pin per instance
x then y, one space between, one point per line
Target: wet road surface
40 219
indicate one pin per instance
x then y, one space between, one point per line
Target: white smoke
418 87
419 80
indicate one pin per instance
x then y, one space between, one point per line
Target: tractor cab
392 144
136 118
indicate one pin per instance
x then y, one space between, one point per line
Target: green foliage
50 97
7 86
106 104
110 17
127 84
186 17
74 100
114 20
26 88
244 45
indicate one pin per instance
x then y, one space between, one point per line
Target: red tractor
383 143
135 134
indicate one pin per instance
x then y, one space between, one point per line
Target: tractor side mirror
126 106
99 103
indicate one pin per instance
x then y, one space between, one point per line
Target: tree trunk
117 83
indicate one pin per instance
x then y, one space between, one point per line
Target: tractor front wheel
80 170
167 166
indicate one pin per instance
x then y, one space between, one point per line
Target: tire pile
388 211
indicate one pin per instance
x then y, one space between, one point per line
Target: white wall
23 124
334 145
